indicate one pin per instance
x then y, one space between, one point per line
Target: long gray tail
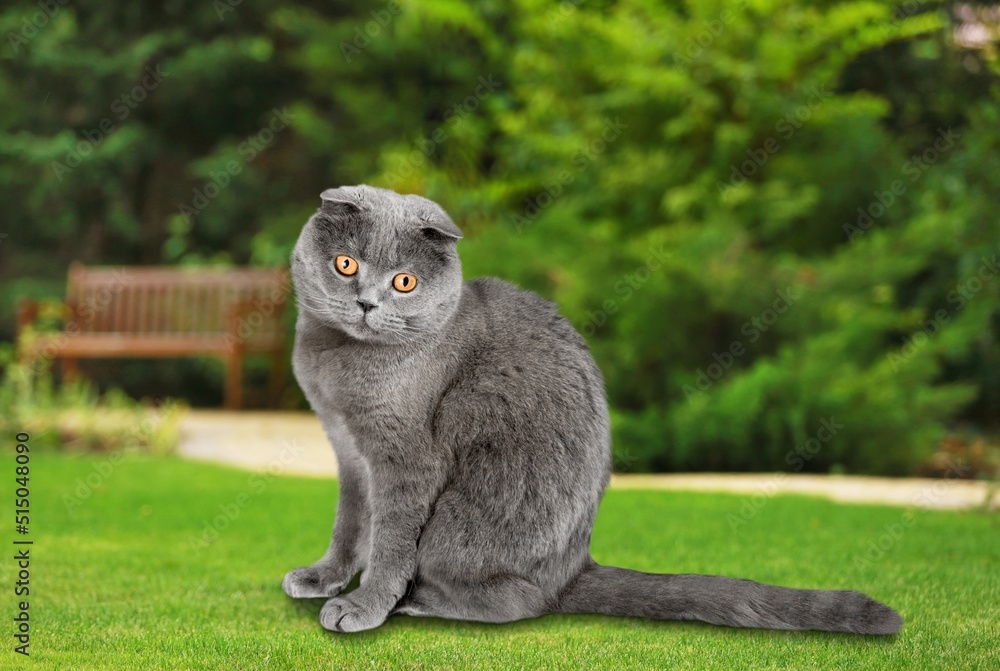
726 601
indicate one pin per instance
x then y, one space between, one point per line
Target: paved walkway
294 443
286 442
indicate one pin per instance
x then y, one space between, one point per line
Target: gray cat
471 432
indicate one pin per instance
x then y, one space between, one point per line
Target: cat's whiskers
320 295
323 304
407 334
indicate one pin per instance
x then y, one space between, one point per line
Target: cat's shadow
310 608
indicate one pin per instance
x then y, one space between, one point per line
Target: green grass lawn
123 583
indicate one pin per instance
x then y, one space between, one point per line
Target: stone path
918 492
286 442
294 443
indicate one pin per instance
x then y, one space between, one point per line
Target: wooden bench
167 312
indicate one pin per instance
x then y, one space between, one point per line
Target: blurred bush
72 416
774 221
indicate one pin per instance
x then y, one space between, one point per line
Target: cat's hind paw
309 582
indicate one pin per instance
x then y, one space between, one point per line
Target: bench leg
234 381
70 370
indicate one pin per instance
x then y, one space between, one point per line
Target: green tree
768 218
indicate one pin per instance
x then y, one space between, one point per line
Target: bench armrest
29 309
27 312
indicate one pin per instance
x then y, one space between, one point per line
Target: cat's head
377 265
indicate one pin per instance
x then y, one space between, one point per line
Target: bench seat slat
104 345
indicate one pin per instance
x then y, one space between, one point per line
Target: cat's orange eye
345 265
404 282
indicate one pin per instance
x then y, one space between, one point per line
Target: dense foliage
774 220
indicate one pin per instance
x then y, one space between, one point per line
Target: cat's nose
366 305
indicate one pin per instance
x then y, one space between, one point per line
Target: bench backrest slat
164 302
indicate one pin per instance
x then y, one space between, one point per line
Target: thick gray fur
471 432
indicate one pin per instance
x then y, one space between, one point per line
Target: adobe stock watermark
622 458
581 159
624 288
796 458
263 308
893 533
85 315
121 107
36 22
959 297
900 12
453 117
248 150
223 7
785 128
913 169
257 483
708 32
753 329
562 11
364 35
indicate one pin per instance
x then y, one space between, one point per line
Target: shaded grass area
137 578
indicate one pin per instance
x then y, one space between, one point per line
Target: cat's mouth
369 329
367 325
373 328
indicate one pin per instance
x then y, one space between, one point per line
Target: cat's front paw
310 582
348 613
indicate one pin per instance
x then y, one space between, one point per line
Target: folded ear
436 224
440 229
342 200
